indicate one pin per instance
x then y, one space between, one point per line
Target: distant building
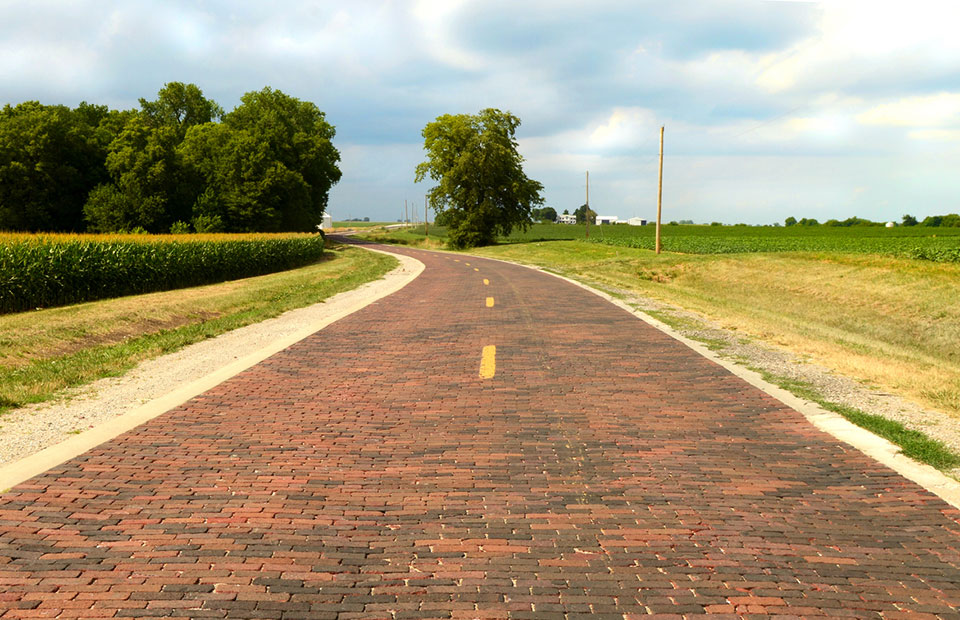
327 221
637 221
891 224
607 219
566 219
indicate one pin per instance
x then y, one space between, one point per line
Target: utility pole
426 218
659 191
406 214
586 211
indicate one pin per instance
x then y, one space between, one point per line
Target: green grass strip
912 443
43 379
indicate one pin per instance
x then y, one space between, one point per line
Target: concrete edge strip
19 471
874 446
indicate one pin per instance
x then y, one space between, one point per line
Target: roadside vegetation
53 270
42 352
861 308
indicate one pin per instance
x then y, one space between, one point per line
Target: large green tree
50 158
180 106
482 189
300 161
149 188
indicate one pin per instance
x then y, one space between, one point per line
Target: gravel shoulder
28 430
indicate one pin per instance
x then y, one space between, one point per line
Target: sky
771 108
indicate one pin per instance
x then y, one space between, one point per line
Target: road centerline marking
488 362
486 282
489 302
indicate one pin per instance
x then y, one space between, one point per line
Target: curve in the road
542 455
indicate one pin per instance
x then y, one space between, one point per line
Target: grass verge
912 443
44 352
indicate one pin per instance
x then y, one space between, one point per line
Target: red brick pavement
368 471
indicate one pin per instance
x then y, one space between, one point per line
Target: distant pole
586 211
426 218
406 214
660 191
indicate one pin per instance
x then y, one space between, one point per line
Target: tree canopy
546 214
482 190
583 212
177 162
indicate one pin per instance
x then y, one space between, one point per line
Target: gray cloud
761 98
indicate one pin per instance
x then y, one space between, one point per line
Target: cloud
940 110
759 98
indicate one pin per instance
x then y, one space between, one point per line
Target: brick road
370 472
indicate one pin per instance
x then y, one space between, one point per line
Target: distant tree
808 222
480 176
951 220
716 223
583 212
544 214
908 220
790 221
566 212
443 218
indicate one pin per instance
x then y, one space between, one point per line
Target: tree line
950 220
179 163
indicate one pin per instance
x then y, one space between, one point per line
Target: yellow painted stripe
486 282
488 362
489 302
456 260
475 269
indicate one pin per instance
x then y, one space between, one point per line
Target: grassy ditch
45 351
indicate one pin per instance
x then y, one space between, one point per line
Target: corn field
41 271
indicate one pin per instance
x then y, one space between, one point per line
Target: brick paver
369 471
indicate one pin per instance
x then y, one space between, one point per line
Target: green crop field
938 244
921 242
54 270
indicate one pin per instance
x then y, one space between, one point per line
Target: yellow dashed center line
475 269
488 362
486 282
489 302
467 264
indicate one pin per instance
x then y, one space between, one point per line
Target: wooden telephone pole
586 211
406 214
426 219
659 191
